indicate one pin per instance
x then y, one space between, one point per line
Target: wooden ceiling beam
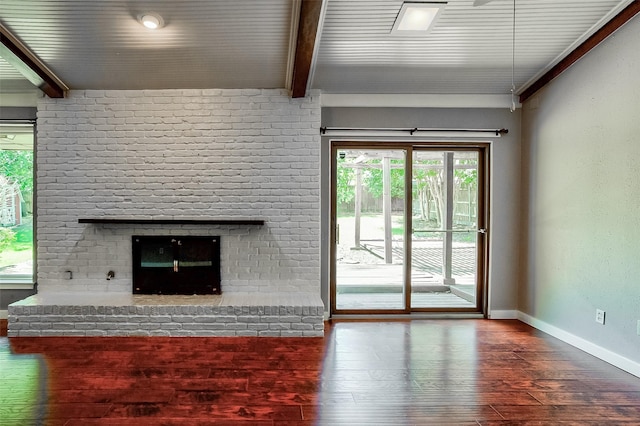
310 11
609 28
27 64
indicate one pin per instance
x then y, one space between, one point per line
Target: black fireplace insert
176 264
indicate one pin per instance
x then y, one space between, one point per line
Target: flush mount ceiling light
151 20
416 18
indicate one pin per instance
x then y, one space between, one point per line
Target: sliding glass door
408 231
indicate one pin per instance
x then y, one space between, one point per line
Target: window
16 203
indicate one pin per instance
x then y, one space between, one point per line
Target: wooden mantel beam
27 64
609 28
310 11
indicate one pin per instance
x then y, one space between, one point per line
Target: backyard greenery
16 241
16 244
17 166
7 237
427 183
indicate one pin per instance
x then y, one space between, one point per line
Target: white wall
179 154
505 182
581 234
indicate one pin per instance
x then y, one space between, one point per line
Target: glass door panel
369 229
444 230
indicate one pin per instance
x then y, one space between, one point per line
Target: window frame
24 281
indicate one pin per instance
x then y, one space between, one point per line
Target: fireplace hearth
182 265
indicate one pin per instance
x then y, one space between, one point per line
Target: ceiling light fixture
152 21
416 18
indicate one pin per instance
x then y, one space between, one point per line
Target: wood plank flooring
420 372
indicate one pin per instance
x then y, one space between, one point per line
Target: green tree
373 178
428 186
428 179
17 166
345 182
7 237
467 178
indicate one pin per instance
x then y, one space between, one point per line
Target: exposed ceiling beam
310 12
27 64
609 28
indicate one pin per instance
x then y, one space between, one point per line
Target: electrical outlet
600 316
638 328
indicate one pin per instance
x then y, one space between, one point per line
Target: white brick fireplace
181 155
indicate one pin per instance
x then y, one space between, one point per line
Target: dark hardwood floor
421 372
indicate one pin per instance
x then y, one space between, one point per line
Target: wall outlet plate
600 316
638 328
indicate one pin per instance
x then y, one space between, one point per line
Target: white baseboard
606 355
499 315
4 314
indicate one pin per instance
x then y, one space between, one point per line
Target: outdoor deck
376 285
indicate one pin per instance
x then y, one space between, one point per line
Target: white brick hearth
113 314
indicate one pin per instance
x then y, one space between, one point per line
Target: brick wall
179 154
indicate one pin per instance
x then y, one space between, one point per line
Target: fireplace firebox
176 264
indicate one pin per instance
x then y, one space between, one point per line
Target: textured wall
179 154
581 149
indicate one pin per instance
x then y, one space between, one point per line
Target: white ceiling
101 45
247 44
469 51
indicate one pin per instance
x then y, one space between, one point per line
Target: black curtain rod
324 130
